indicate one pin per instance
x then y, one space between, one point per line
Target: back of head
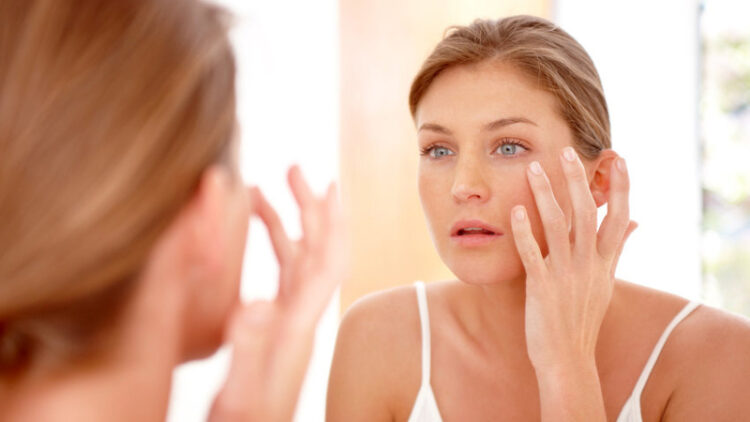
109 113
548 56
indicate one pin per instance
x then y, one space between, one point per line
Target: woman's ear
207 214
195 238
599 175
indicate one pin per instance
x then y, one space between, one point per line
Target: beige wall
383 43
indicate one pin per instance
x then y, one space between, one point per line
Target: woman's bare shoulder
711 328
383 314
713 337
713 348
707 356
644 297
392 314
377 360
705 331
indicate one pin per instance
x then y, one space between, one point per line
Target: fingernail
569 154
536 168
621 165
519 213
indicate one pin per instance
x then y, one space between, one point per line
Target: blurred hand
273 340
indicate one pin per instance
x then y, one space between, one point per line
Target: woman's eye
510 148
438 152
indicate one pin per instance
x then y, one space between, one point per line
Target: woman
514 136
123 219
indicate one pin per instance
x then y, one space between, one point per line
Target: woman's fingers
272 341
582 202
632 225
616 221
282 245
318 266
328 262
528 249
553 220
309 207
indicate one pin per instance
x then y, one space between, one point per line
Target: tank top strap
424 318
686 310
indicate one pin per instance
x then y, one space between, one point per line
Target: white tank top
425 407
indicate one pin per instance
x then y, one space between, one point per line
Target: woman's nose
469 183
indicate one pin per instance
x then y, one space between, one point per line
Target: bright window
725 134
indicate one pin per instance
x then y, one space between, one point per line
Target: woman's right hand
272 340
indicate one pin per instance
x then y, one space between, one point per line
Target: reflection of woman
123 219
536 327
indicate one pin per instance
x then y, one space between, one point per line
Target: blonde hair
110 112
546 54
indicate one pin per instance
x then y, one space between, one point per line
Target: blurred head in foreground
118 182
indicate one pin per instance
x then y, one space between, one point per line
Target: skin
187 304
536 327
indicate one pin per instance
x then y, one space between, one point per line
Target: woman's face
479 126
215 297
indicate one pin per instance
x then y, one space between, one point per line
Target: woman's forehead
478 96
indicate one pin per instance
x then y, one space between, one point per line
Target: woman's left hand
272 340
568 291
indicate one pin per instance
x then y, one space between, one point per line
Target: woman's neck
129 381
494 315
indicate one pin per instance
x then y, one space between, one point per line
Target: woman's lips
474 233
474 239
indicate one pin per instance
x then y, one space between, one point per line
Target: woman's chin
483 273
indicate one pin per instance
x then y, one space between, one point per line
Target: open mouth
469 231
474 228
474 233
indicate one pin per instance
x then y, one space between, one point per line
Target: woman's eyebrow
506 121
434 128
497 124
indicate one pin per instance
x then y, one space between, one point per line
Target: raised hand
272 340
568 291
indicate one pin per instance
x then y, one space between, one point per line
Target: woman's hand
568 292
272 340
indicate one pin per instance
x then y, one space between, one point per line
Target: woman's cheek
430 192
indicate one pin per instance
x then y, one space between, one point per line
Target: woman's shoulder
377 363
713 337
711 352
382 313
637 297
704 323
705 330
377 358
706 358
393 312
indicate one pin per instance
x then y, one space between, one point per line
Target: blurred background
325 83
